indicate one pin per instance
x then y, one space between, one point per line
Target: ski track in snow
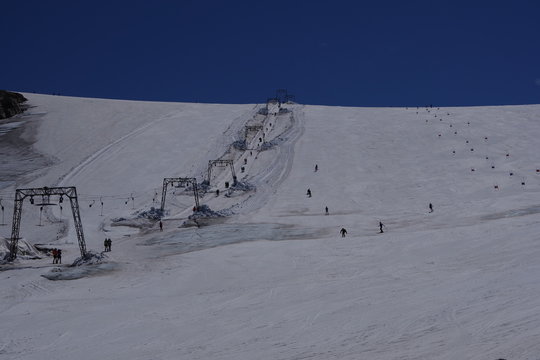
276 172
107 150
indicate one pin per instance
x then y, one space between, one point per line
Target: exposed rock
11 104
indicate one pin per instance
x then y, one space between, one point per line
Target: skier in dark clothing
160 226
343 232
326 210
430 207
59 256
316 167
106 243
381 225
308 192
55 255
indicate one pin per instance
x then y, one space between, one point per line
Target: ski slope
274 279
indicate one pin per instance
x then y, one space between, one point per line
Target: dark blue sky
353 53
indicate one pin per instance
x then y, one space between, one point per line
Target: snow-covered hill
274 279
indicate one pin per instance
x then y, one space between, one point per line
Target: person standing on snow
316 167
308 192
381 225
326 210
343 232
430 207
160 226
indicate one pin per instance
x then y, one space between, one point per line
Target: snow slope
273 280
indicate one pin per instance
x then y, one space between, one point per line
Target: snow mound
204 211
205 216
25 250
240 186
239 145
142 219
267 145
283 111
152 214
91 258
90 265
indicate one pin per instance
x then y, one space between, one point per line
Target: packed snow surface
260 271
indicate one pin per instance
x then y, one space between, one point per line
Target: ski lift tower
180 182
221 163
45 193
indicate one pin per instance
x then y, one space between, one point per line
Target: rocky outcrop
11 104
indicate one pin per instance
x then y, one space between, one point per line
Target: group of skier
57 256
343 231
107 244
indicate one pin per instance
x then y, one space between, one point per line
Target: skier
308 192
109 244
381 225
316 167
430 207
55 255
326 210
59 256
160 226
343 232
217 192
105 243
